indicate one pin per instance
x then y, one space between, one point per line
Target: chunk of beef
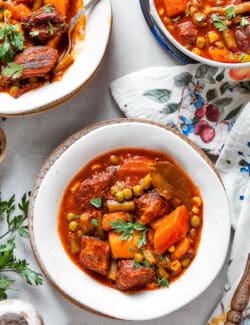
95 254
97 186
243 38
128 277
188 32
37 61
45 23
151 206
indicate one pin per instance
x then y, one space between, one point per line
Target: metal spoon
74 20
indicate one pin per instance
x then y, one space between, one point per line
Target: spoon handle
80 13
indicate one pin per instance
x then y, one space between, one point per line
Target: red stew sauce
131 219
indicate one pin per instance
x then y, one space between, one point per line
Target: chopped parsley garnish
12 70
47 9
144 263
219 23
11 42
51 28
230 12
187 13
127 230
34 33
244 21
97 202
231 56
162 282
94 222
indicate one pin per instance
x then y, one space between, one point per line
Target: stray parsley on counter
8 262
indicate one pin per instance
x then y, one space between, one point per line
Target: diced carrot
170 229
19 11
174 7
112 217
123 248
223 55
136 167
181 248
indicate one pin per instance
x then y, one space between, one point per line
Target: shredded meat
151 206
95 254
188 32
128 277
45 23
97 186
37 61
243 38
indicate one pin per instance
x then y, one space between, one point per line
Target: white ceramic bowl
182 48
76 285
88 56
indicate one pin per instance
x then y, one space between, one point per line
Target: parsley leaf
97 202
34 33
51 28
12 70
94 222
218 23
162 282
47 9
127 230
11 42
244 21
8 261
230 12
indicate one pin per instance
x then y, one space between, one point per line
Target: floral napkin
208 105
202 102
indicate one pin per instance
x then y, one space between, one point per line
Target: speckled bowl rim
58 102
53 158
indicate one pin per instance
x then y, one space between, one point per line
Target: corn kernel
139 257
185 262
128 194
212 37
73 225
196 51
119 196
163 273
79 233
137 189
114 189
195 221
200 42
146 182
114 159
166 20
195 210
171 249
197 201
7 13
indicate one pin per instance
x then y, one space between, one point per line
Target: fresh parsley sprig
12 70
8 261
127 230
11 42
219 23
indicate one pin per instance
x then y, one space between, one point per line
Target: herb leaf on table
8 261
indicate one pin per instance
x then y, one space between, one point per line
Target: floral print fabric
201 102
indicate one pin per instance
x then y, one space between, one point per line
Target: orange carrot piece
19 11
223 55
174 7
112 217
170 229
123 248
138 167
61 5
181 248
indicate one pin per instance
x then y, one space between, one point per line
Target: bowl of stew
212 32
41 66
123 220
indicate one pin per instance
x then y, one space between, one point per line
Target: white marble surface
31 139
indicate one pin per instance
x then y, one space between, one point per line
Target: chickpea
128 194
195 221
137 189
73 225
139 257
119 196
114 159
200 42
